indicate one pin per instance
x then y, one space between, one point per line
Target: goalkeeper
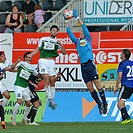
88 68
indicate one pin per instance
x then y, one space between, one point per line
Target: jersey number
130 72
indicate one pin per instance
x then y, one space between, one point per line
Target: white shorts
47 66
3 88
22 93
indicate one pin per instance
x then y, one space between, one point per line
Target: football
68 14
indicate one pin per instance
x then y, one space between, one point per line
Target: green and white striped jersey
25 70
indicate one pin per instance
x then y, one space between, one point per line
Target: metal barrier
128 26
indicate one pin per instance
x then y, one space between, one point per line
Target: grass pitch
73 127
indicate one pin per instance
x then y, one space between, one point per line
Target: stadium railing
128 26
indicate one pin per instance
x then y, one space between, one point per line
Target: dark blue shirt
126 67
32 79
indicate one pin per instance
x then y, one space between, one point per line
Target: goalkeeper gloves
75 14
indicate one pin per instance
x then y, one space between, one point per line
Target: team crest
82 43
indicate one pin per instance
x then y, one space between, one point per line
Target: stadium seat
31 28
6 6
2 28
19 4
36 1
3 18
47 4
47 16
59 4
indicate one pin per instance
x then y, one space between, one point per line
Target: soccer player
125 77
21 89
34 97
88 68
5 66
34 80
48 47
1 107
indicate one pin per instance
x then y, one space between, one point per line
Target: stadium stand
31 28
6 6
2 28
59 4
19 4
47 16
3 18
52 9
47 4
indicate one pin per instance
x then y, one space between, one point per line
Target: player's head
82 36
54 30
26 58
2 57
125 54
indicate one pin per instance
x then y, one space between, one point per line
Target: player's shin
52 91
2 113
5 101
102 95
48 92
26 112
33 114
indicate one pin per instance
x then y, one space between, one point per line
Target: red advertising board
106 46
116 40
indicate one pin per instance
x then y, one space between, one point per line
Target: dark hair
54 26
15 6
127 53
37 6
1 52
25 55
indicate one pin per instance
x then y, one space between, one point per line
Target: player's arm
120 71
1 74
11 67
16 64
63 50
33 84
85 30
35 51
118 82
58 76
69 32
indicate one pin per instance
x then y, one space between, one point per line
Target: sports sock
95 97
124 113
16 107
26 112
102 95
52 89
29 115
48 92
2 113
33 114
4 102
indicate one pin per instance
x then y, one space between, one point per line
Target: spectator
27 11
38 14
14 21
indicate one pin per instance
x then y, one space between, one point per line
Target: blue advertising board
80 107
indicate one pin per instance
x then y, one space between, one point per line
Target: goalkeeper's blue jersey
84 46
126 67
